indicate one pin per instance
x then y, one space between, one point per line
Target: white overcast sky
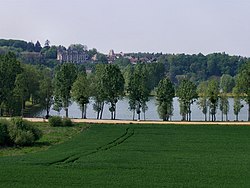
168 26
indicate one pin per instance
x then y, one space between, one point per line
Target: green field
137 156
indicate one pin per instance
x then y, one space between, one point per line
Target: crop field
137 156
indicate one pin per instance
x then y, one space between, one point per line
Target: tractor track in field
116 142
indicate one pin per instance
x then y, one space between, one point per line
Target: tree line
108 84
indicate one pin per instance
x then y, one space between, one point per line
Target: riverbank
106 121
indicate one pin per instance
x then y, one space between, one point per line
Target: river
151 114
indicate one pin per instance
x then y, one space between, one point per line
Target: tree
47 44
243 84
237 103
226 86
30 47
113 86
138 89
224 105
21 89
227 83
213 96
65 76
164 95
46 91
10 67
187 95
203 98
81 92
98 91
38 47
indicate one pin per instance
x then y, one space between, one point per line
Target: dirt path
105 121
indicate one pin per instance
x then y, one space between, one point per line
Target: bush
67 122
23 133
4 134
55 121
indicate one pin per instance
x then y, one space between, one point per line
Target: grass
51 136
137 156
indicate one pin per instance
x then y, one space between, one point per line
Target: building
74 54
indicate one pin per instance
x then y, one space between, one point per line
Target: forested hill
196 67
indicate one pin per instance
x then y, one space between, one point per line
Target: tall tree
98 91
226 86
46 91
81 93
164 95
10 67
21 89
203 98
243 84
237 103
187 95
37 47
213 96
138 89
113 86
65 76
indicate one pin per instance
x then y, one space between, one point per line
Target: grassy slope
138 156
51 136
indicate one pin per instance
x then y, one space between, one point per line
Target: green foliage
187 95
243 83
202 102
164 95
9 69
55 121
227 83
213 96
23 133
37 47
46 91
65 76
4 134
66 122
81 92
237 103
138 90
113 82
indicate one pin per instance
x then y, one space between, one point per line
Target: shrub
23 133
4 134
67 122
55 121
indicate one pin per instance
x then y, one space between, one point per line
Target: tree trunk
111 115
164 118
221 116
22 108
139 117
102 110
82 112
144 113
133 115
85 111
98 113
226 117
237 117
115 112
67 112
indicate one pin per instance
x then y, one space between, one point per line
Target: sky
167 26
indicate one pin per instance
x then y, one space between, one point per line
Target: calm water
151 113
